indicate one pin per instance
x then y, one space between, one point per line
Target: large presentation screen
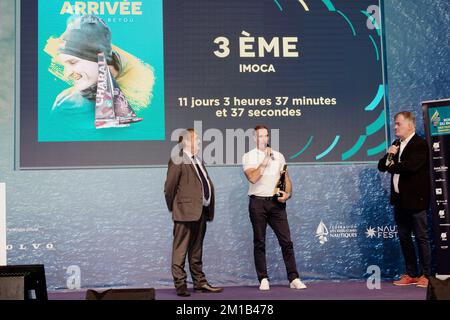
112 83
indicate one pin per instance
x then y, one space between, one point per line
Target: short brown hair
261 126
408 116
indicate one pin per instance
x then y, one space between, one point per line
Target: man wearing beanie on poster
82 49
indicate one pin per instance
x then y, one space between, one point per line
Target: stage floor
317 290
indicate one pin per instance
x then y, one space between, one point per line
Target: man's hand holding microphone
393 151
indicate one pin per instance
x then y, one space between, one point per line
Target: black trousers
188 240
408 222
272 212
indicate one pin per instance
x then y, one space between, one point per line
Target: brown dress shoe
207 288
182 291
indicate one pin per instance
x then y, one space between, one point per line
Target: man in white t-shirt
262 167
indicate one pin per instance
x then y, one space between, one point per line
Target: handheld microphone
271 154
391 155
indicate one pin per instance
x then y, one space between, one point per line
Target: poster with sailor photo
98 80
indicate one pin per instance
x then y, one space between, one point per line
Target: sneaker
405 280
422 282
264 286
297 284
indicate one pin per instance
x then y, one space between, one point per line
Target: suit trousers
272 212
414 221
188 240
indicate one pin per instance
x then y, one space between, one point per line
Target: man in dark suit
407 160
189 195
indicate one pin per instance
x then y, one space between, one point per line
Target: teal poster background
128 32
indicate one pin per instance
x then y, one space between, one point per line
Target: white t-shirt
265 186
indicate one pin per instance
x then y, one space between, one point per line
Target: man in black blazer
189 194
407 160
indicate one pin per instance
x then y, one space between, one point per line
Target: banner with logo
312 70
437 126
2 224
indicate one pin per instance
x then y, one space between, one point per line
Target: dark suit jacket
183 191
414 182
